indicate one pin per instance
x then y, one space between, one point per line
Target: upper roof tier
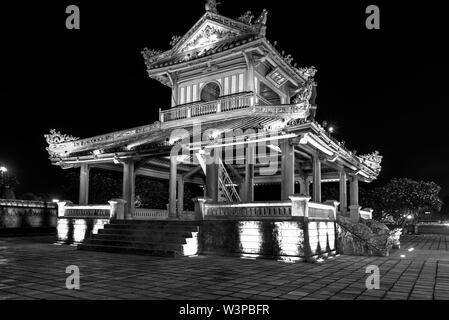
213 35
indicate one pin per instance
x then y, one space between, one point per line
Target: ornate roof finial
211 6
55 137
262 20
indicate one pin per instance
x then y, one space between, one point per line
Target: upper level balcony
233 105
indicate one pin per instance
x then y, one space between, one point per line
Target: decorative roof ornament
372 160
304 93
261 22
174 40
55 137
211 6
150 55
308 72
246 18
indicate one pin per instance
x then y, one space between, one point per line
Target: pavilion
241 114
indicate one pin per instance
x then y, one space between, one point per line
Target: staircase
226 189
157 238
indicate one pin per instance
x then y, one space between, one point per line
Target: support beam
354 191
249 172
84 184
180 204
343 192
304 186
212 179
287 170
128 195
316 179
172 188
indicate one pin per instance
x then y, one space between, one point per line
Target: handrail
226 184
196 109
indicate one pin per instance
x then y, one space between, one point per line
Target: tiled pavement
33 268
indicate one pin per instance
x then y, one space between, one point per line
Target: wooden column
249 172
287 169
180 196
354 191
129 187
212 178
172 188
316 179
304 186
84 184
343 192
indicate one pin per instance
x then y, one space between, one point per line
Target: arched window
210 92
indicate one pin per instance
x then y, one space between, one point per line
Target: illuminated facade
241 114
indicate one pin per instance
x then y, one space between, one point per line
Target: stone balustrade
298 206
150 214
115 209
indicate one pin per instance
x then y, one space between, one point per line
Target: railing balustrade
149 214
297 207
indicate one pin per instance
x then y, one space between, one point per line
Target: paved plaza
34 268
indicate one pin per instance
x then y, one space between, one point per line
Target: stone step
151 227
167 238
152 238
137 244
136 232
128 250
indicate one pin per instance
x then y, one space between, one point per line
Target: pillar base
354 212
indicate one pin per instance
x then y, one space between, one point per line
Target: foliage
403 196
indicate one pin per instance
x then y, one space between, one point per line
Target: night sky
381 89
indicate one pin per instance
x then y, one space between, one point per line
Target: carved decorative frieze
208 35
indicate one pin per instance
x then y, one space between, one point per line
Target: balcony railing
198 109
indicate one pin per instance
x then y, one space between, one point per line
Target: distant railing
90 211
149 214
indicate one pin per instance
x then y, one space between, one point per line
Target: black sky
382 89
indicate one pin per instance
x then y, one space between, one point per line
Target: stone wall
275 239
21 216
75 230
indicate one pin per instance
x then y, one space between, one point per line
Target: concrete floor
34 268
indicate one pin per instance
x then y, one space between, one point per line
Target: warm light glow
402 255
55 200
409 217
97 152
250 237
411 249
331 129
3 169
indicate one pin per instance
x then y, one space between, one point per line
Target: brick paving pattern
34 268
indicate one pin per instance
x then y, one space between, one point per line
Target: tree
403 196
